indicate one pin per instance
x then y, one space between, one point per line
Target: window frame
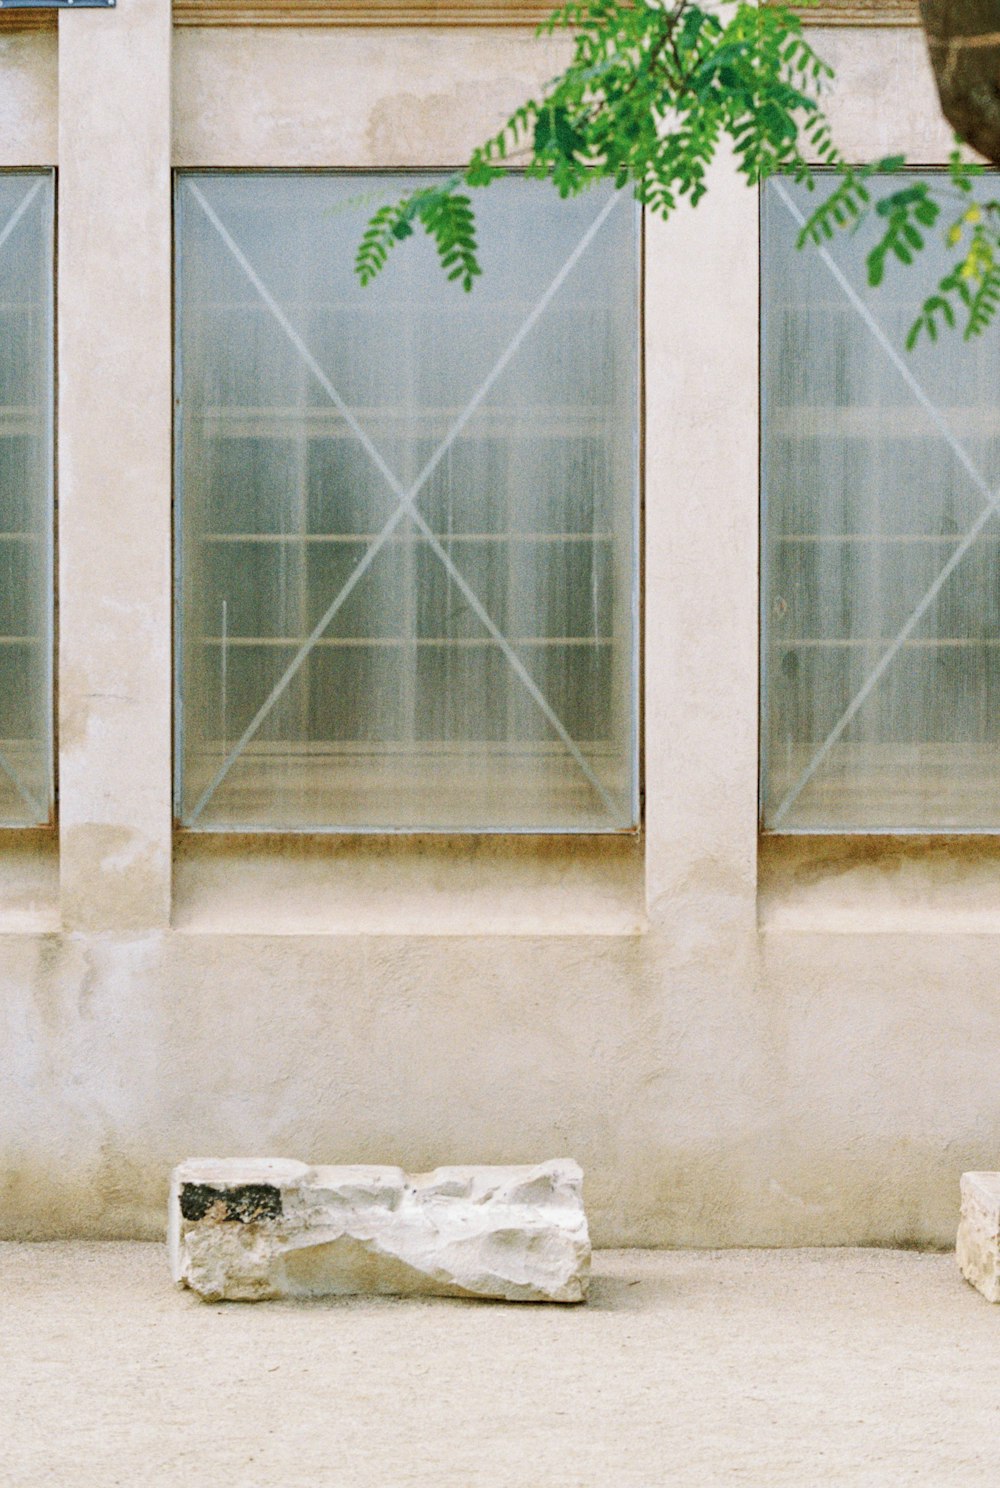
636 724
46 639
768 828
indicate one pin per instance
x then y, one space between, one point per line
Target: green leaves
554 128
985 301
850 200
903 210
653 88
968 295
446 215
971 289
385 228
847 203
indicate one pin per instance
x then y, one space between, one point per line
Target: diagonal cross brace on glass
931 593
406 507
5 765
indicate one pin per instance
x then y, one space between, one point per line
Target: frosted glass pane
408 516
881 551
26 206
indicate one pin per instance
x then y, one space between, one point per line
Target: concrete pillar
114 316
701 543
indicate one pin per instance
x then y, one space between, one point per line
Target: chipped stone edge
977 1246
248 1183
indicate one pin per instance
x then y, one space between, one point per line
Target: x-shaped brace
27 796
992 507
406 507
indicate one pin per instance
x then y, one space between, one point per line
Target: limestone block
978 1245
269 1227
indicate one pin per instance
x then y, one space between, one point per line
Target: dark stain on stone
244 1204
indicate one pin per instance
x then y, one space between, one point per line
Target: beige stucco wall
791 1047
29 120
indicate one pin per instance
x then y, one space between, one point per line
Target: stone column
702 437
114 452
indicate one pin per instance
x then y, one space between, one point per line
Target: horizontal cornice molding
861 13
525 13
28 20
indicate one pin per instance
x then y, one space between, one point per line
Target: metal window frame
43 814
406 507
772 825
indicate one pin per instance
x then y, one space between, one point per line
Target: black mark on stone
244 1204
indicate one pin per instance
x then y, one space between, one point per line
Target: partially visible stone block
978 1244
268 1227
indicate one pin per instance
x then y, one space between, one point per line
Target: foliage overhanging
652 90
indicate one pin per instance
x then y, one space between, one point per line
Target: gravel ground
801 1367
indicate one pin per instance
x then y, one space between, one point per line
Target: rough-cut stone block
249 1230
978 1245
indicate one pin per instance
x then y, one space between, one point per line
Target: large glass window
881 548
407 515
26 384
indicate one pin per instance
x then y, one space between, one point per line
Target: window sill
29 882
424 885
913 885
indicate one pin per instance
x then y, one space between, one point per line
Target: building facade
745 1037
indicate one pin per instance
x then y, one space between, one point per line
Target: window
26 382
407 516
881 548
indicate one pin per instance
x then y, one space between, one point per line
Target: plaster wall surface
788 1046
882 100
28 110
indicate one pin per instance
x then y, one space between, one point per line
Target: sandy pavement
845 1367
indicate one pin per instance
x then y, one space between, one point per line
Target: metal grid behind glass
881 546
407 579
26 487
